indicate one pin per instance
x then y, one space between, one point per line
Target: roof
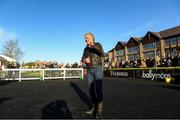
170 32
137 39
166 33
111 50
156 34
122 43
3 57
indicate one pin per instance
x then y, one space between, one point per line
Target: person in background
163 62
92 57
157 60
142 63
168 61
177 60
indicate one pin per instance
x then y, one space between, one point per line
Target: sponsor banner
155 75
118 73
145 74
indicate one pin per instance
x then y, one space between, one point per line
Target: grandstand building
165 43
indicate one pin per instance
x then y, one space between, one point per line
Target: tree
12 49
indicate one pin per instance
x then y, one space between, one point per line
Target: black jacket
96 53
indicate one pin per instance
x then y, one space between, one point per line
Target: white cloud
11 35
147 26
6 35
1 33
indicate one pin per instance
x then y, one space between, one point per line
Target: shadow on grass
56 110
84 98
5 82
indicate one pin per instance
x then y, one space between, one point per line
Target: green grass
31 74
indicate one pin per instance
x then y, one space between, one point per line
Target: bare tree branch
11 49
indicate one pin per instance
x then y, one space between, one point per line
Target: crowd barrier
41 74
155 73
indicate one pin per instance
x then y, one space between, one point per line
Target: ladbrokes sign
118 74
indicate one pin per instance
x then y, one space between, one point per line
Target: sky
53 30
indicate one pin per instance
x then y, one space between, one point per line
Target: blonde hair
89 33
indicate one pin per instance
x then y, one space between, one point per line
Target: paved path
123 98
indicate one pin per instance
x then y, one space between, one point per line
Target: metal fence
41 74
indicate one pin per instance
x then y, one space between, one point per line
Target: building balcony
151 49
119 55
173 46
132 53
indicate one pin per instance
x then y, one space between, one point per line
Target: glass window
178 39
130 49
167 52
167 43
121 59
151 45
157 44
174 52
133 49
120 53
131 57
136 49
136 56
157 53
173 41
145 55
150 54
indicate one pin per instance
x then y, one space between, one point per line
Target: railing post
82 73
19 75
64 75
43 74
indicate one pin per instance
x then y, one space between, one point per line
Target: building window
120 59
133 49
173 41
136 49
150 54
150 46
130 57
157 45
167 43
136 56
133 57
178 39
130 50
167 52
120 53
157 53
170 41
174 52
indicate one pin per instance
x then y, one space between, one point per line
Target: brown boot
99 110
91 111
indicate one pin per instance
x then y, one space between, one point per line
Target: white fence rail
41 74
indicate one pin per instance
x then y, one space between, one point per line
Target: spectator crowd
149 62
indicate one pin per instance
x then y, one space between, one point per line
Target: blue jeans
94 79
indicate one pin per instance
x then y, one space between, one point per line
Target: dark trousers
94 78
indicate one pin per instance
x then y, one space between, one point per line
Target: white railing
41 74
